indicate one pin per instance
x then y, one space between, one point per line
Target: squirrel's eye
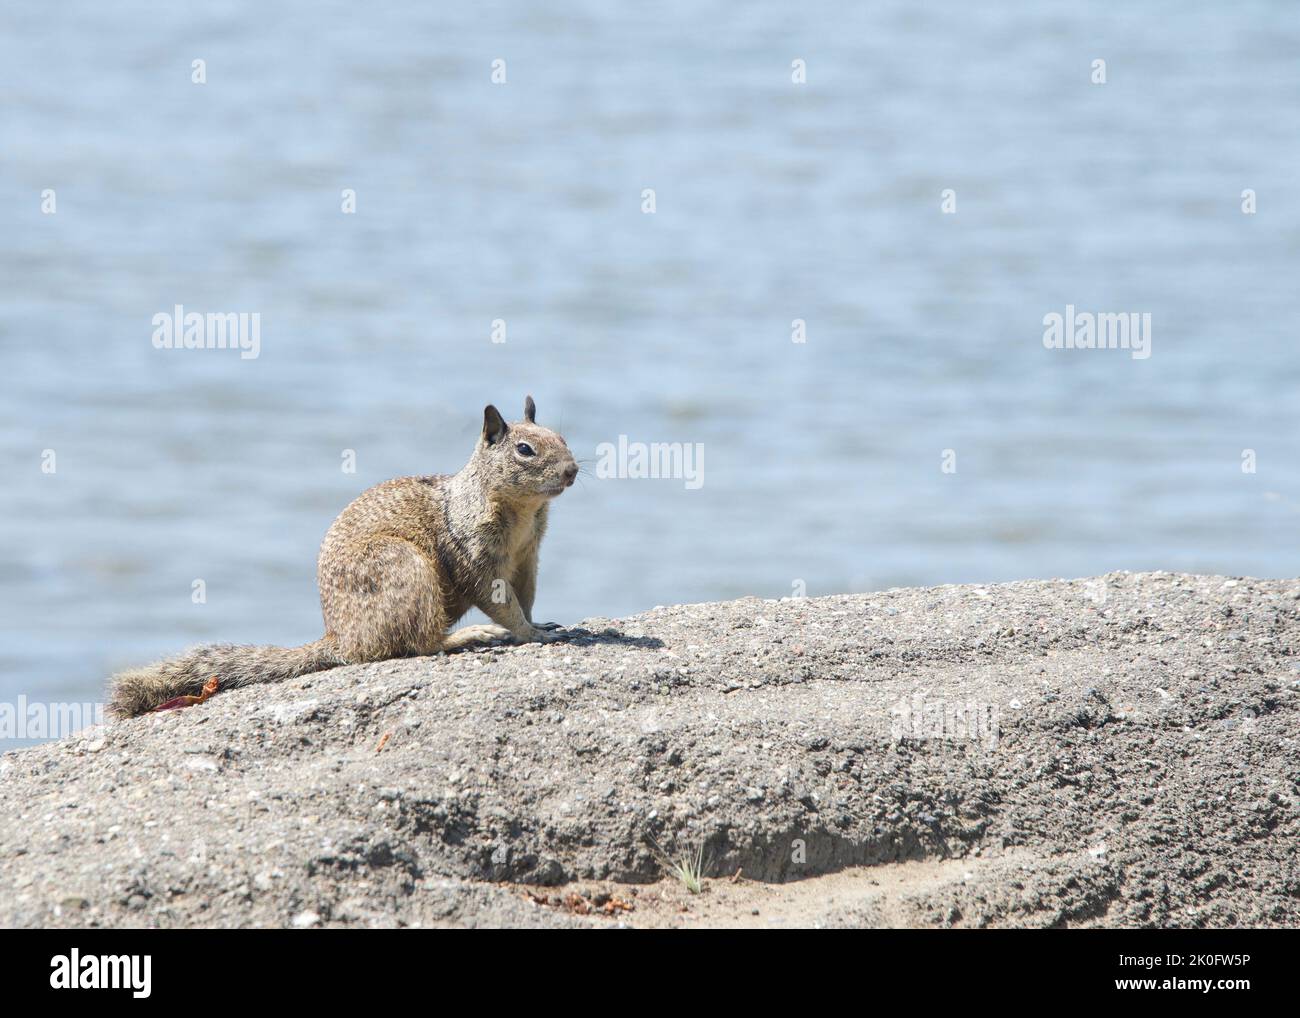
524 449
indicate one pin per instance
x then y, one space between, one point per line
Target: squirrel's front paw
540 635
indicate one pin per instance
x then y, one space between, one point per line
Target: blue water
522 201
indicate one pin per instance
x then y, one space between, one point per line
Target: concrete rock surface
1115 751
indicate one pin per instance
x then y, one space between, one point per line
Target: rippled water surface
523 202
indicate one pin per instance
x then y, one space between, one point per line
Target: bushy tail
140 690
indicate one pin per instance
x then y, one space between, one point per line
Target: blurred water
522 202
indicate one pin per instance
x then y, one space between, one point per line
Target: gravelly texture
1118 751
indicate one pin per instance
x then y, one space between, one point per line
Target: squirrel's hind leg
385 603
476 636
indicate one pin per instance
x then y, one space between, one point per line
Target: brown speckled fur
400 565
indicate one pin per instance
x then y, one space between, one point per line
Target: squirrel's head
523 460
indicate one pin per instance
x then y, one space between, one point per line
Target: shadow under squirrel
401 564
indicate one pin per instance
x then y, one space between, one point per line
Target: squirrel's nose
570 472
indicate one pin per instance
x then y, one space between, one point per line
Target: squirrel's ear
494 425
530 410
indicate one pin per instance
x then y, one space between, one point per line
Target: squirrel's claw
540 634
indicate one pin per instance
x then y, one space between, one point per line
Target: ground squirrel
400 565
